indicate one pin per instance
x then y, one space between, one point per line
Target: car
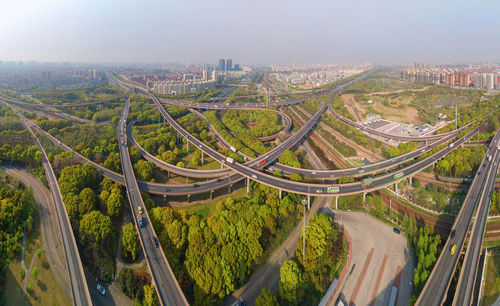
141 221
254 176
361 170
139 208
155 241
319 190
396 230
453 232
101 289
453 248
196 185
219 180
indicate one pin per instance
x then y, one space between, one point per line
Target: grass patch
492 280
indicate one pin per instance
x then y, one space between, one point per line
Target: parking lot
381 259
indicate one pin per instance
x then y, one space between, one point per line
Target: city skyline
387 32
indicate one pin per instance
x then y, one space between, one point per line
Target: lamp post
304 202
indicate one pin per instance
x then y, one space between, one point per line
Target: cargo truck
367 181
230 160
332 189
233 149
398 175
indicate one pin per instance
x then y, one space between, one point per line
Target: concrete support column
426 142
396 187
202 155
189 196
221 165
211 194
229 188
168 174
187 179
336 203
248 185
280 193
308 202
364 198
410 180
187 143
164 199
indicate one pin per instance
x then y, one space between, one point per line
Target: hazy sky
258 31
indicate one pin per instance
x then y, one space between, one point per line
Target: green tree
296 177
290 281
130 242
266 298
144 169
95 228
150 297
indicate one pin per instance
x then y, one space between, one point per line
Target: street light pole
304 235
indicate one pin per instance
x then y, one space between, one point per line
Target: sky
251 32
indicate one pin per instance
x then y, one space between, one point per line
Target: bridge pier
229 188
187 143
187 179
211 194
426 142
202 155
410 180
280 193
168 174
336 202
396 187
221 165
364 198
189 196
308 202
164 199
248 185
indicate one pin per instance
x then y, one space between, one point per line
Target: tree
115 203
296 177
144 169
278 173
34 272
150 297
181 165
130 242
95 228
266 298
290 281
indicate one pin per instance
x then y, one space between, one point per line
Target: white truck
451 145
230 160
233 149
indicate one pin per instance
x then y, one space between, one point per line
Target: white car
101 289
319 190
254 176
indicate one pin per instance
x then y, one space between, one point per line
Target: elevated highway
167 287
436 287
78 282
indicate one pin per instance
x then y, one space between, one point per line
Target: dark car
196 185
155 241
452 235
396 230
141 221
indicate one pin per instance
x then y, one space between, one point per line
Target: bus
332 189
398 175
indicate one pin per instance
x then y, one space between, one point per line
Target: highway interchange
163 277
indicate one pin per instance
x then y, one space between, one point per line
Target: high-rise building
237 67
214 75
229 64
205 75
222 64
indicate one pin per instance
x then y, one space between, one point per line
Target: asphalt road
435 289
468 273
167 287
78 282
